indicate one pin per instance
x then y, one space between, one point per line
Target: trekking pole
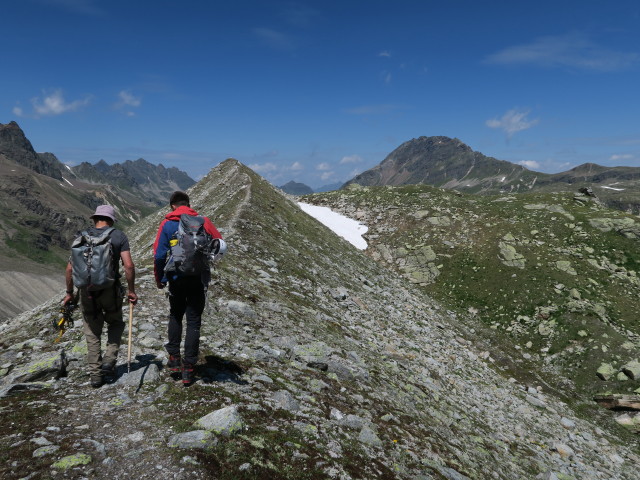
130 324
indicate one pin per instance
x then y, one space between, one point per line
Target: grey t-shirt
119 243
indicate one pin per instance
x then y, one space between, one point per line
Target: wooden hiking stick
130 325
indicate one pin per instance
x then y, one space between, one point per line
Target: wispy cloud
267 168
296 167
512 122
385 53
381 109
574 50
324 166
126 100
625 156
326 176
351 159
531 164
274 39
53 103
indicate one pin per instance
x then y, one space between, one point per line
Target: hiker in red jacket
186 290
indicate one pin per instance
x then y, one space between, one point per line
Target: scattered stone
564 450
369 437
196 439
71 461
143 375
606 371
45 450
242 309
226 421
632 370
536 402
284 400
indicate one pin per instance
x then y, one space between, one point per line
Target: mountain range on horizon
449 163
47 202
53 201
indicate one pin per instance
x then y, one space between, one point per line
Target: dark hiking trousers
99 308
186 298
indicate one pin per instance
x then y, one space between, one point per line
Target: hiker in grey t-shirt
104 305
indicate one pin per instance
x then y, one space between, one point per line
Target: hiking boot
188 374
174 364
108 371
96 381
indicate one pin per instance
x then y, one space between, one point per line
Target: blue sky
318 91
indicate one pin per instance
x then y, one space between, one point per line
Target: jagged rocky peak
15 146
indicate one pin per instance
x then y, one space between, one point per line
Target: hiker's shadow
217 369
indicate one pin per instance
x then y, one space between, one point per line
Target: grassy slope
570 321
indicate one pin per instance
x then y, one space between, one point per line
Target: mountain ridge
449 163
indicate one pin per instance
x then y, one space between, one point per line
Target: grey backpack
92 261
192 248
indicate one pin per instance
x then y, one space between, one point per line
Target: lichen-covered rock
195 439
565 266
226 421
510 257
71 461
631 369
606 371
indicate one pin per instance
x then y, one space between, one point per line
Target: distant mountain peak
448 163
153 183
296 188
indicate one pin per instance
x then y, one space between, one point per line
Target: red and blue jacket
166 232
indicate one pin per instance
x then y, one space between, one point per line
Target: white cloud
386 77
264 168
323 166
625 156
351 159
573 50
384 53
326 175
55 104
18 111
531 164
512 122
126 98
296 167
